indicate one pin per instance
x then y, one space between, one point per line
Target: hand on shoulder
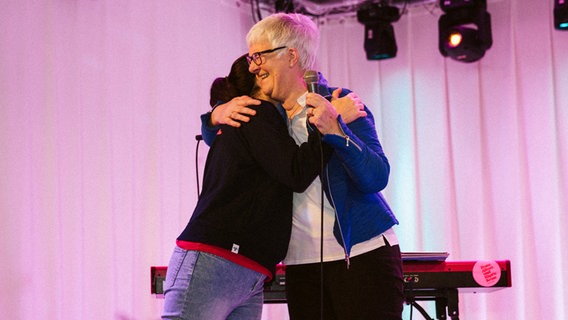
230 113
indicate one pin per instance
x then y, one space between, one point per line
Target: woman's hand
230 113
349 107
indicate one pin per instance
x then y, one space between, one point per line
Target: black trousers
372 288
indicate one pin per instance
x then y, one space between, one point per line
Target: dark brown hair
239 82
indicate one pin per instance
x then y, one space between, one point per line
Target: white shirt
306 221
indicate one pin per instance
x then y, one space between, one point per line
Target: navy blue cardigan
248 181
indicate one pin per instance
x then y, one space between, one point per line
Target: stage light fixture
561 14
464 30
285 6
380 41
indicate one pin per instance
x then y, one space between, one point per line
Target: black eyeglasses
257 56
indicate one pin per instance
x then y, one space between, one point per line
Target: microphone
311 78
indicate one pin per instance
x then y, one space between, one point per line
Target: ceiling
331 7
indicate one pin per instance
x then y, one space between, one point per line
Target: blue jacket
354 176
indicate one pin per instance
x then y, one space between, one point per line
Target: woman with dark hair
239 82
241 224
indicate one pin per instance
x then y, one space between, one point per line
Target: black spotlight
285 6
561 14
464 30
380 42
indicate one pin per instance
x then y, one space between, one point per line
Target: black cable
252 6
198 138
403 10
255 4
321 224
258 14
412 300
421 310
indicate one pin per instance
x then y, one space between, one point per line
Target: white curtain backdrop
99 108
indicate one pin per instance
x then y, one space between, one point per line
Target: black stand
446 302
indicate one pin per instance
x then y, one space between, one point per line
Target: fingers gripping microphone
311 78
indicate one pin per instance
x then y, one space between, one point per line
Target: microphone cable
309 127
322 209
198 138
321 224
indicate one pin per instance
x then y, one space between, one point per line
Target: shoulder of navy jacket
219 102
281 111
323 90
321 79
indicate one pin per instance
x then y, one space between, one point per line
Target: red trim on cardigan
226 254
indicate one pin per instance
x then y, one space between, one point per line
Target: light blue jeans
203 286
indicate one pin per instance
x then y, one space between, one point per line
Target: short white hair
292 30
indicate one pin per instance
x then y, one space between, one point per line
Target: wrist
213 117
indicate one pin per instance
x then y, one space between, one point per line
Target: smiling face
279 76
280 71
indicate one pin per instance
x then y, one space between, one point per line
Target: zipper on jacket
349 141
347 261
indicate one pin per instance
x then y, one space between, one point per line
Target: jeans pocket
180 266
